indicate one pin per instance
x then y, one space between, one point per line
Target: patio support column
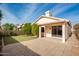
39 31
63 33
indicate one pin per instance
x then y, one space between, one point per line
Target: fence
77 34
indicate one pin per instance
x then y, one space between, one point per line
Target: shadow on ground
17 49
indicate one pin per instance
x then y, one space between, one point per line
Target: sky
18 13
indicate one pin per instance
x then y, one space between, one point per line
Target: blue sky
19 13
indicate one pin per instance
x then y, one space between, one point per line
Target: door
42 31
57 31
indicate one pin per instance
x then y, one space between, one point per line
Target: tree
76 26
8 28
35 29
0 23
0 16
27 28
0 31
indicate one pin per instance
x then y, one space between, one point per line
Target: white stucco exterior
63 33
48 31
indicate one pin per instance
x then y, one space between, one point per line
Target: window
56 30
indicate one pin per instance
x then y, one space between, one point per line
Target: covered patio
55 30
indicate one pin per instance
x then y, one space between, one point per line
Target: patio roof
46 20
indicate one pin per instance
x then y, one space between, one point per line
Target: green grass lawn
17 39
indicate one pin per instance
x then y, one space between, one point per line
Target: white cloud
61 8
29 12
7 16
32 11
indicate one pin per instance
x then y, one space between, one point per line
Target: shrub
27 28
35 29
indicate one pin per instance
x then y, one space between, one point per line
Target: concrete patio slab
43 47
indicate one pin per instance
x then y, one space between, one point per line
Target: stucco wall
48 31
66 30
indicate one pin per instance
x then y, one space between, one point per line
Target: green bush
8 26
27 29
35 29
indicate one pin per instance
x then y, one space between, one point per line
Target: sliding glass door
57 31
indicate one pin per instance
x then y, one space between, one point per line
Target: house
19 26
53 27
